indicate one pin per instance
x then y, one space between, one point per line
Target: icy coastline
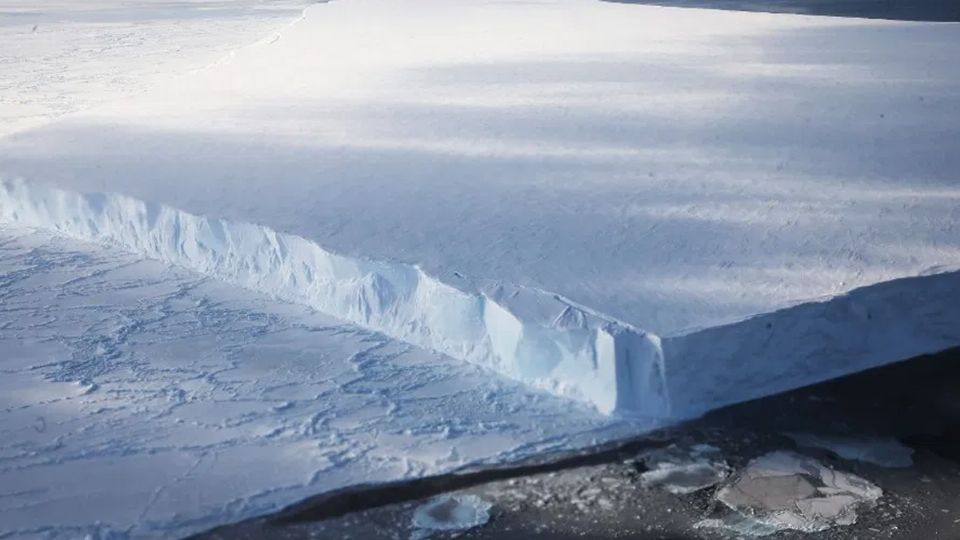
524 334
529 335
710 229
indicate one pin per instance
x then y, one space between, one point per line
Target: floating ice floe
450 513
682 471
881 451
739 525
784 490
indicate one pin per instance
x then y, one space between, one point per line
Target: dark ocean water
906 10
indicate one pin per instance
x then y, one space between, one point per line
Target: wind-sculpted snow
524 334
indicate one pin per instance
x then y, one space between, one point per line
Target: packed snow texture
525 334
763 201
142 400
62 56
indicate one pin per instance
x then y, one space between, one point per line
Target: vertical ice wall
813 342
528 335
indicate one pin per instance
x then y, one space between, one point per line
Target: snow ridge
528 335
268 40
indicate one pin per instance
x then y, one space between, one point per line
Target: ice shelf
656 211
528 335
533 336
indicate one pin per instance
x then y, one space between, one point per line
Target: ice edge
531 336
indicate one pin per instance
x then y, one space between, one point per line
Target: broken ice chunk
451 513
682 471
784 490
884 452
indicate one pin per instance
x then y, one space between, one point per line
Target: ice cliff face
528 335
747 203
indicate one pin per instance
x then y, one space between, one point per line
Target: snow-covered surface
686 172
62 56
526 334
142 400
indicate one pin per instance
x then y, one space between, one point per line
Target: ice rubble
783 490
684 470
880 451
525 334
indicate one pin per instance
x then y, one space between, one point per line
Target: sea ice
677 210
682 471
451 513
784 490
884 452
143 401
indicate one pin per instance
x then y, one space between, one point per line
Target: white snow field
682 171
656 211
62 56
139 400
313 239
